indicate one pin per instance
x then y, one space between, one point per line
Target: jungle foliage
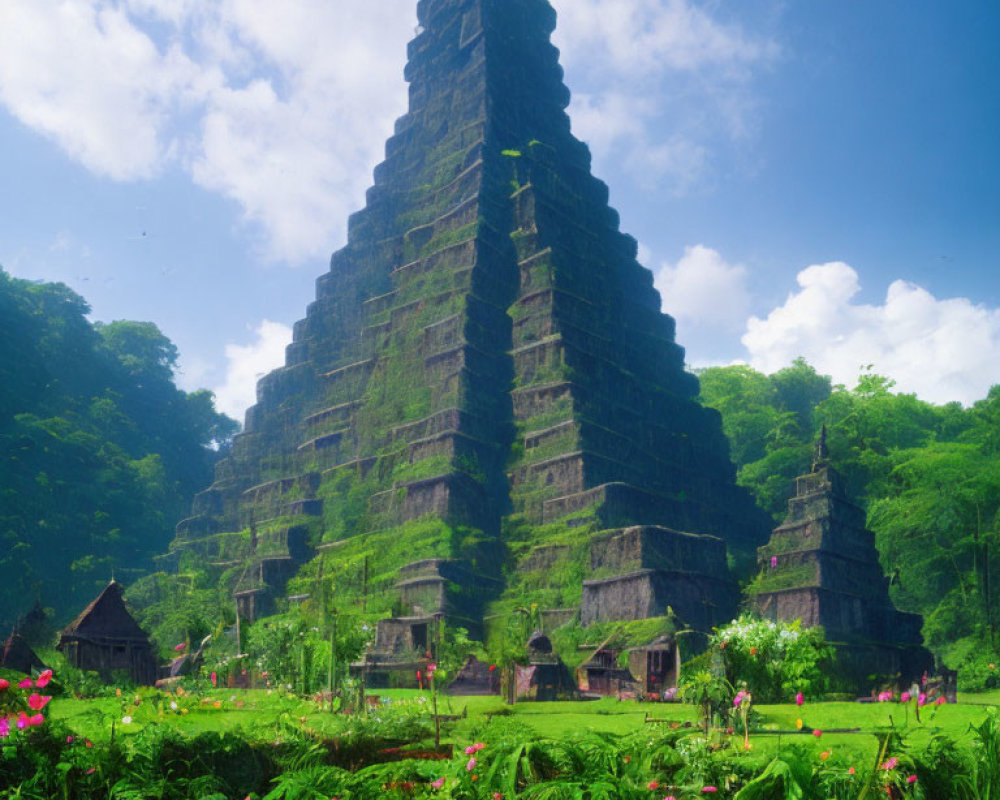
100 453
928 476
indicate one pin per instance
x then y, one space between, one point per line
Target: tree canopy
100 453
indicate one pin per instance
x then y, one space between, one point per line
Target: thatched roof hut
106 639
18 656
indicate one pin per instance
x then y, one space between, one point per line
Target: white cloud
80 73
942 350
244 95
249 363
703 290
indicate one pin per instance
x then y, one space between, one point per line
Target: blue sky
817 179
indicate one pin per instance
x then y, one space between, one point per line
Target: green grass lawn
261 714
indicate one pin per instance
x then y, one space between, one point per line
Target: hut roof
105 619
18 655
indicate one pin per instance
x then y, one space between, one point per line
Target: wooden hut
18 656
106 639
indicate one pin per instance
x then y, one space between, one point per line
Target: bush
775 660
979 673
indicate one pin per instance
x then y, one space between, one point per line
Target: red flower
37 702
817 733
25 684
652 786
43 679
4 684
800 699
215 679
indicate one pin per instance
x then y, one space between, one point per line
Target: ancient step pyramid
485 382
821 567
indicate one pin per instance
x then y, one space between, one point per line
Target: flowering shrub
21 705
777 661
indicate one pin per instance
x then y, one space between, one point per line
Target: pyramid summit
485 405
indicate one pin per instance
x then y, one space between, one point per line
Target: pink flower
709 790
25 684
891 764
904 697
817 733
22 720
431 668
652 786
800 699
470 750
69 740
4 684
479 746
38 719
92 770
37 702
942 700
180 648
438 783
471 765
4 728
774 562
912 779
922 699
497 796
215 679
43 679
738 699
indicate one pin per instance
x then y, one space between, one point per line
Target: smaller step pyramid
821 566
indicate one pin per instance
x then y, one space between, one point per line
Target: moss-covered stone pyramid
485 382
821 567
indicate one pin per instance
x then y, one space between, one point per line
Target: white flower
127 720
173 705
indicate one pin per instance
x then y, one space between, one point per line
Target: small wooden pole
332 677
239 645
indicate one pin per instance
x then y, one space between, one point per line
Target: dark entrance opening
419 635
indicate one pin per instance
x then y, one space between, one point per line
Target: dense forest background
928 476
100 453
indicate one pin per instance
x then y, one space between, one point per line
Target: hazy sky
805 178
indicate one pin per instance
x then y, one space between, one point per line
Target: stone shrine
484 382
821 566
